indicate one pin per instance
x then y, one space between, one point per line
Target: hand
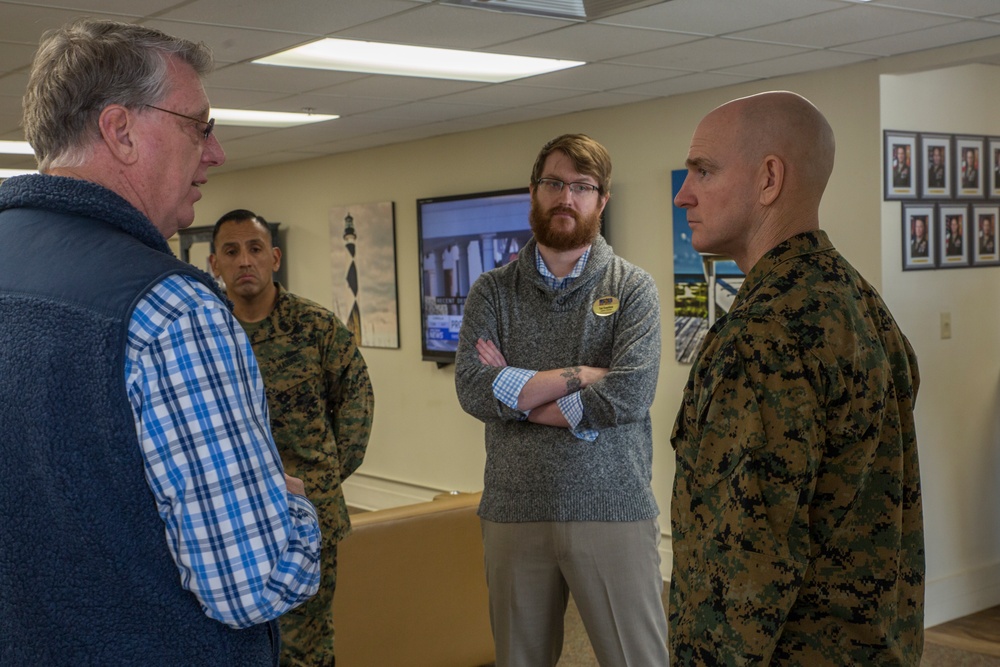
295 485
489 354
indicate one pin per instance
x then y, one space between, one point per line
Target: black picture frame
900 164
953 235
936 166
919 247
993 177
968 167
984 225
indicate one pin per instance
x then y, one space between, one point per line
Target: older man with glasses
558 355
148 520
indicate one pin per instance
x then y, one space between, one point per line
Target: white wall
422 442
958 405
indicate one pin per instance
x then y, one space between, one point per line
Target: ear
276 252
118 131
214 265
772 178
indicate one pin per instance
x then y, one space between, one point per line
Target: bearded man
558 355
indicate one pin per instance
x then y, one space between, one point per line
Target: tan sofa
411 590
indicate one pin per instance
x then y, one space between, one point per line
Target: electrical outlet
945 326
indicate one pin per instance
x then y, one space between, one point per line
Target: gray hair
85 66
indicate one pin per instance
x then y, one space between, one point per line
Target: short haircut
239 215
588 156
87 65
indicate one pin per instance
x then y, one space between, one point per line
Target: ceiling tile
230 45
688 83
325 16
592 42
24 24
599 76
711 53
808 61
507 95
849 24
249 76
14 56
718 17
453 27
968 8
928 38
594 101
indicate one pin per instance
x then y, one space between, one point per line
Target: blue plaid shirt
246 547
508 384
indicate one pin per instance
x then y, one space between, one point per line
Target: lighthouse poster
363 262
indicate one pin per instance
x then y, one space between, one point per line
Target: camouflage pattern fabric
320 401
796 510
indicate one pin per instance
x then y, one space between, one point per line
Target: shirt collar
559 283
806 243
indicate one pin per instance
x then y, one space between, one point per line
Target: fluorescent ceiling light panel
16 148
248 118
378 58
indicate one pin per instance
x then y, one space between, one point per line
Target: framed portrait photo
918 237
985 219
953 235
935 160
900 164
993 175
969 168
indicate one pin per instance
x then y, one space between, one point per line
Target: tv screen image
460 237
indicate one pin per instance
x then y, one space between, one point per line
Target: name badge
605 306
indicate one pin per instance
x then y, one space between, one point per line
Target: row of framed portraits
950 234
925 165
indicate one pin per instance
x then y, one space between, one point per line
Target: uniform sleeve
350 399
745 489
626 393
244 546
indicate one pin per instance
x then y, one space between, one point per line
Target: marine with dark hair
320 398
559 355
147 519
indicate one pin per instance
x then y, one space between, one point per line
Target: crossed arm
539 395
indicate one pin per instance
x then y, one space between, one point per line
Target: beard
582 233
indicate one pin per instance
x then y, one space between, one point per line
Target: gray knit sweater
543 473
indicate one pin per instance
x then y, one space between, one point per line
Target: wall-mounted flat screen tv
460 237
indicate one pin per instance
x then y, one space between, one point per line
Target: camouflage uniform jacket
796 511
319 398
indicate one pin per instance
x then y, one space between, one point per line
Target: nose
213 153
565 197
684 198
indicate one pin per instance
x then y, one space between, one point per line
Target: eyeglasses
209 124
553 187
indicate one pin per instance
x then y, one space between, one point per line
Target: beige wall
958 406
422 439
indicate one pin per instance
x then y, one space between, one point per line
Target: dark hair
588 156
239 215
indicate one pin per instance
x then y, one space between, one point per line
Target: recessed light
401 60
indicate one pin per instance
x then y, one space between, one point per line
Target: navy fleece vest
85 574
